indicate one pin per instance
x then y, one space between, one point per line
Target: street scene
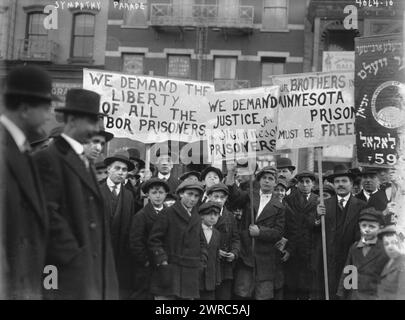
230 150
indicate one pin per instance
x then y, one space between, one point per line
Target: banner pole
324 253
147 166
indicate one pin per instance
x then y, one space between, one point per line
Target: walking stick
324 253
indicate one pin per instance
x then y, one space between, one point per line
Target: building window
132 63
178 66
83 35
271 67
36 32
275 15
225 68
137 15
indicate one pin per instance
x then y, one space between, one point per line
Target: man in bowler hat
27 101
79 242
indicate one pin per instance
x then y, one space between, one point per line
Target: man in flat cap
259 274
300 222
79 243
120 209
342 230
27 102
177 246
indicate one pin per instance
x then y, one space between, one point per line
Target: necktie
115 190
85 161
341 202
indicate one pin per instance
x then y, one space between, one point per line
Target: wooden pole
324 253
147 166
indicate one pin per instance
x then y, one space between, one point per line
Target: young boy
178 247
209 177
230 240
392 281
366 257
156 190
280 189
210 277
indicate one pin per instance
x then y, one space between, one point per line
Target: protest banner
243 123
314 109
380 98
150 109
338 61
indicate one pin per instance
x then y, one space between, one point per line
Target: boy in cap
280 189
156 190
190 176
209 177
392 279
101 171
178 247
259 273
230 240
211 274
366 258
301 219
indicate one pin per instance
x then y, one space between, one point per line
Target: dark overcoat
392 281
368 269
230 241
138 241
271 223
210 276
337 248
377 200
120 224
176 238
80 243
25 224
302 236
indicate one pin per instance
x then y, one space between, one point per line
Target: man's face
392 246
267 183
210 219
305 185
370 182
189 198
218 197
157 195
285 173
279 192
94 148
137 166
85 128
369 229
101 174
343 185
36 117
117 172
211 178
383 176
164 165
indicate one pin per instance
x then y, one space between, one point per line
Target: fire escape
202 19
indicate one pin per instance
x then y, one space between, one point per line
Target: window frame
226 57
281 60
178 55
142 55
28 23
262 29
72 39
147 14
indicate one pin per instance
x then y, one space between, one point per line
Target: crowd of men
117 230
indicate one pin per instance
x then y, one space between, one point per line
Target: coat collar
73 161
267 209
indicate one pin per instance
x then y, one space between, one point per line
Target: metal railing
37 50
163 14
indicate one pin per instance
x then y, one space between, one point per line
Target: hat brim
109 160
188 174
331 177
140 161
81 112
146 186
201 190
107 135
213 169
300 176
261 173
289 167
